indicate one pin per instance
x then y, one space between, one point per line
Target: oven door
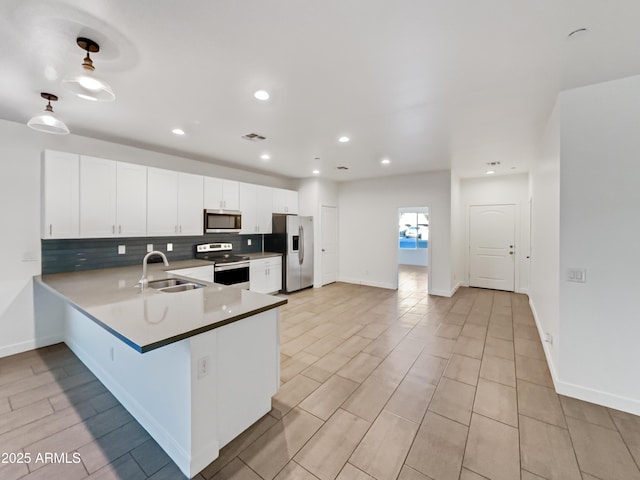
234 274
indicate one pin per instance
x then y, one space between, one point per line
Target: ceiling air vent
254 137
342 167
493 164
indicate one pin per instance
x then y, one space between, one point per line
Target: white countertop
149 319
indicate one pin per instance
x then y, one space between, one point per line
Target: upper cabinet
221 194
131 200
113 198
174 203
97 197
256 205
60 195
285 201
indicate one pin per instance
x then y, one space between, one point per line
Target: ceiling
428 84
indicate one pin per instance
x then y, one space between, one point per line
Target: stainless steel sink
173 285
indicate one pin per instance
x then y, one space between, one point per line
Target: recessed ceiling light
343 139
489 172
265 156
177 131
261 95
316 172
385 161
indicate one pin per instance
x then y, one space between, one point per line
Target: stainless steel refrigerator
293 237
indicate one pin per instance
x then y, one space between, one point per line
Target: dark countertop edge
166 341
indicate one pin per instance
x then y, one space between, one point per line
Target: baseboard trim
581 392
32 344
368 283
446 293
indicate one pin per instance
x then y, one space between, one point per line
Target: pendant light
85 84
48 122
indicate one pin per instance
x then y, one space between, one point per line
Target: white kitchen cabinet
285 201
162 202
174 203
203 273
131 200
113 198
265 275
190 210
97 197
60 195
255 205
221 194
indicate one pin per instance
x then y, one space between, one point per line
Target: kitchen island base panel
191 409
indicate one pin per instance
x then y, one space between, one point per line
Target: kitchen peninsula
195 368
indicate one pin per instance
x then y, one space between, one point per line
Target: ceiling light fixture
343 139
265 156
261 95
48 122
85 84
177 131
385 161
489 172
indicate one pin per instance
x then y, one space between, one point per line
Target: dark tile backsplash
91 253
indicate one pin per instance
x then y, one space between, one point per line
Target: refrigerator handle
301 249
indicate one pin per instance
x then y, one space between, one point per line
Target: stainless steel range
228 269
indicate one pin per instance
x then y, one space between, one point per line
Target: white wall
600 231
20 152
497 190
544 181
368 233
457 232
313 194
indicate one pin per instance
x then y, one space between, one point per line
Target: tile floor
376 384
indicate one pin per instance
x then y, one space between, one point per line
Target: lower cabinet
265 275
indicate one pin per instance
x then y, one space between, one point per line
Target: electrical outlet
203 367
249 242
149 247
169 247
122 249
548 338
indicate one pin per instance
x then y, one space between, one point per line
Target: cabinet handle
113 229
51 229
119 228
180 228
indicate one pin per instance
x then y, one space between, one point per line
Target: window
413 230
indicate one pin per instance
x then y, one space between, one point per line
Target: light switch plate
248 242
149 247
122 249
169 247
578 275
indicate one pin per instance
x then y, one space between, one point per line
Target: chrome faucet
143 281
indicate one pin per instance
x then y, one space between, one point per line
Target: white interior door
329 217
492 246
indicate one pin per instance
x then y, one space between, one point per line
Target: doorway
413 248
492 246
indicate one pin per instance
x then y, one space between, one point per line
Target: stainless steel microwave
222 221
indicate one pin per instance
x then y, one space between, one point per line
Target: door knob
323 250
510 253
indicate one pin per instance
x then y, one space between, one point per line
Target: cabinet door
131 200
162 202
258 276
264 206
190 210
97 197
213 193
60 195
285 201
274 275
231 195
248 208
